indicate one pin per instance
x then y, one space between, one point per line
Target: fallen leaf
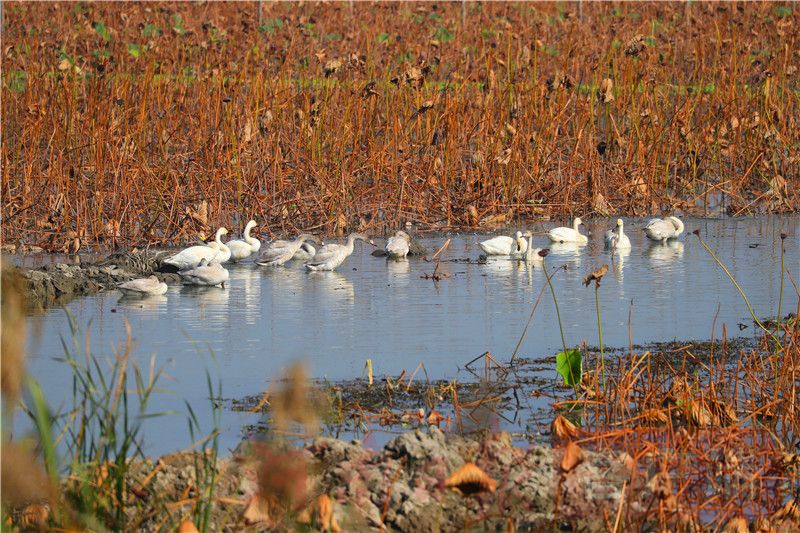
256 511
573 456
332 66
563 428
187 526
435 418
606 92
635 46
469 479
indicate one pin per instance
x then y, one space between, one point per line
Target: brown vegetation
130 123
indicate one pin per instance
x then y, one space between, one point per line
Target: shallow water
246 334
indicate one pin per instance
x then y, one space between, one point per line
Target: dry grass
142 124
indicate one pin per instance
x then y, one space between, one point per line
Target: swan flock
201 264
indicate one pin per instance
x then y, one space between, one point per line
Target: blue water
245 335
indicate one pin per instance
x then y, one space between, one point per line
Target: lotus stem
738 287
558 314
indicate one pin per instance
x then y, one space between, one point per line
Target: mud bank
402 486
60 282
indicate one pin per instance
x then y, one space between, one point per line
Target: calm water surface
246 334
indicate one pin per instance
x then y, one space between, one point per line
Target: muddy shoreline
58 283
400 487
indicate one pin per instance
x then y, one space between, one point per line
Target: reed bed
148 123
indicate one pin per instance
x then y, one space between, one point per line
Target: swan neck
218 236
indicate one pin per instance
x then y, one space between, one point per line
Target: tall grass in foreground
88 450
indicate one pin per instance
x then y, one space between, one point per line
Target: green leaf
16 80
442 35
135 50
569 365
102 31
270 25
177 24
383 37
333 37
783 11
151 30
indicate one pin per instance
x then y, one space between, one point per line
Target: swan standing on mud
397 247
242 249
662 229
563 234
206 274
504 245
615 239
277 253
143 287
189 257
331 256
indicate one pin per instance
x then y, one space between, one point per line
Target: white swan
206 274
331 256
563 234
503 245
661 229
305 252
277 253
397 246
532 254
241 249
143 287
189 257
616 239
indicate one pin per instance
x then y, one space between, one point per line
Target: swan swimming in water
662 229
397 246
242 249
563 234
277 253
615 239
206 274
143 287
504 245
331 256
189 257
532 254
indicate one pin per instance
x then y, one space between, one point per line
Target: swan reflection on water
665 253
618 262
567 250
333 285
150 303
398 266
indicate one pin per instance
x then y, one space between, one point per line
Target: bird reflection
333 285
665 253
150 303
246 284
618 261
399 266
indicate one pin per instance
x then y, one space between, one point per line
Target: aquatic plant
164 119
596 276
